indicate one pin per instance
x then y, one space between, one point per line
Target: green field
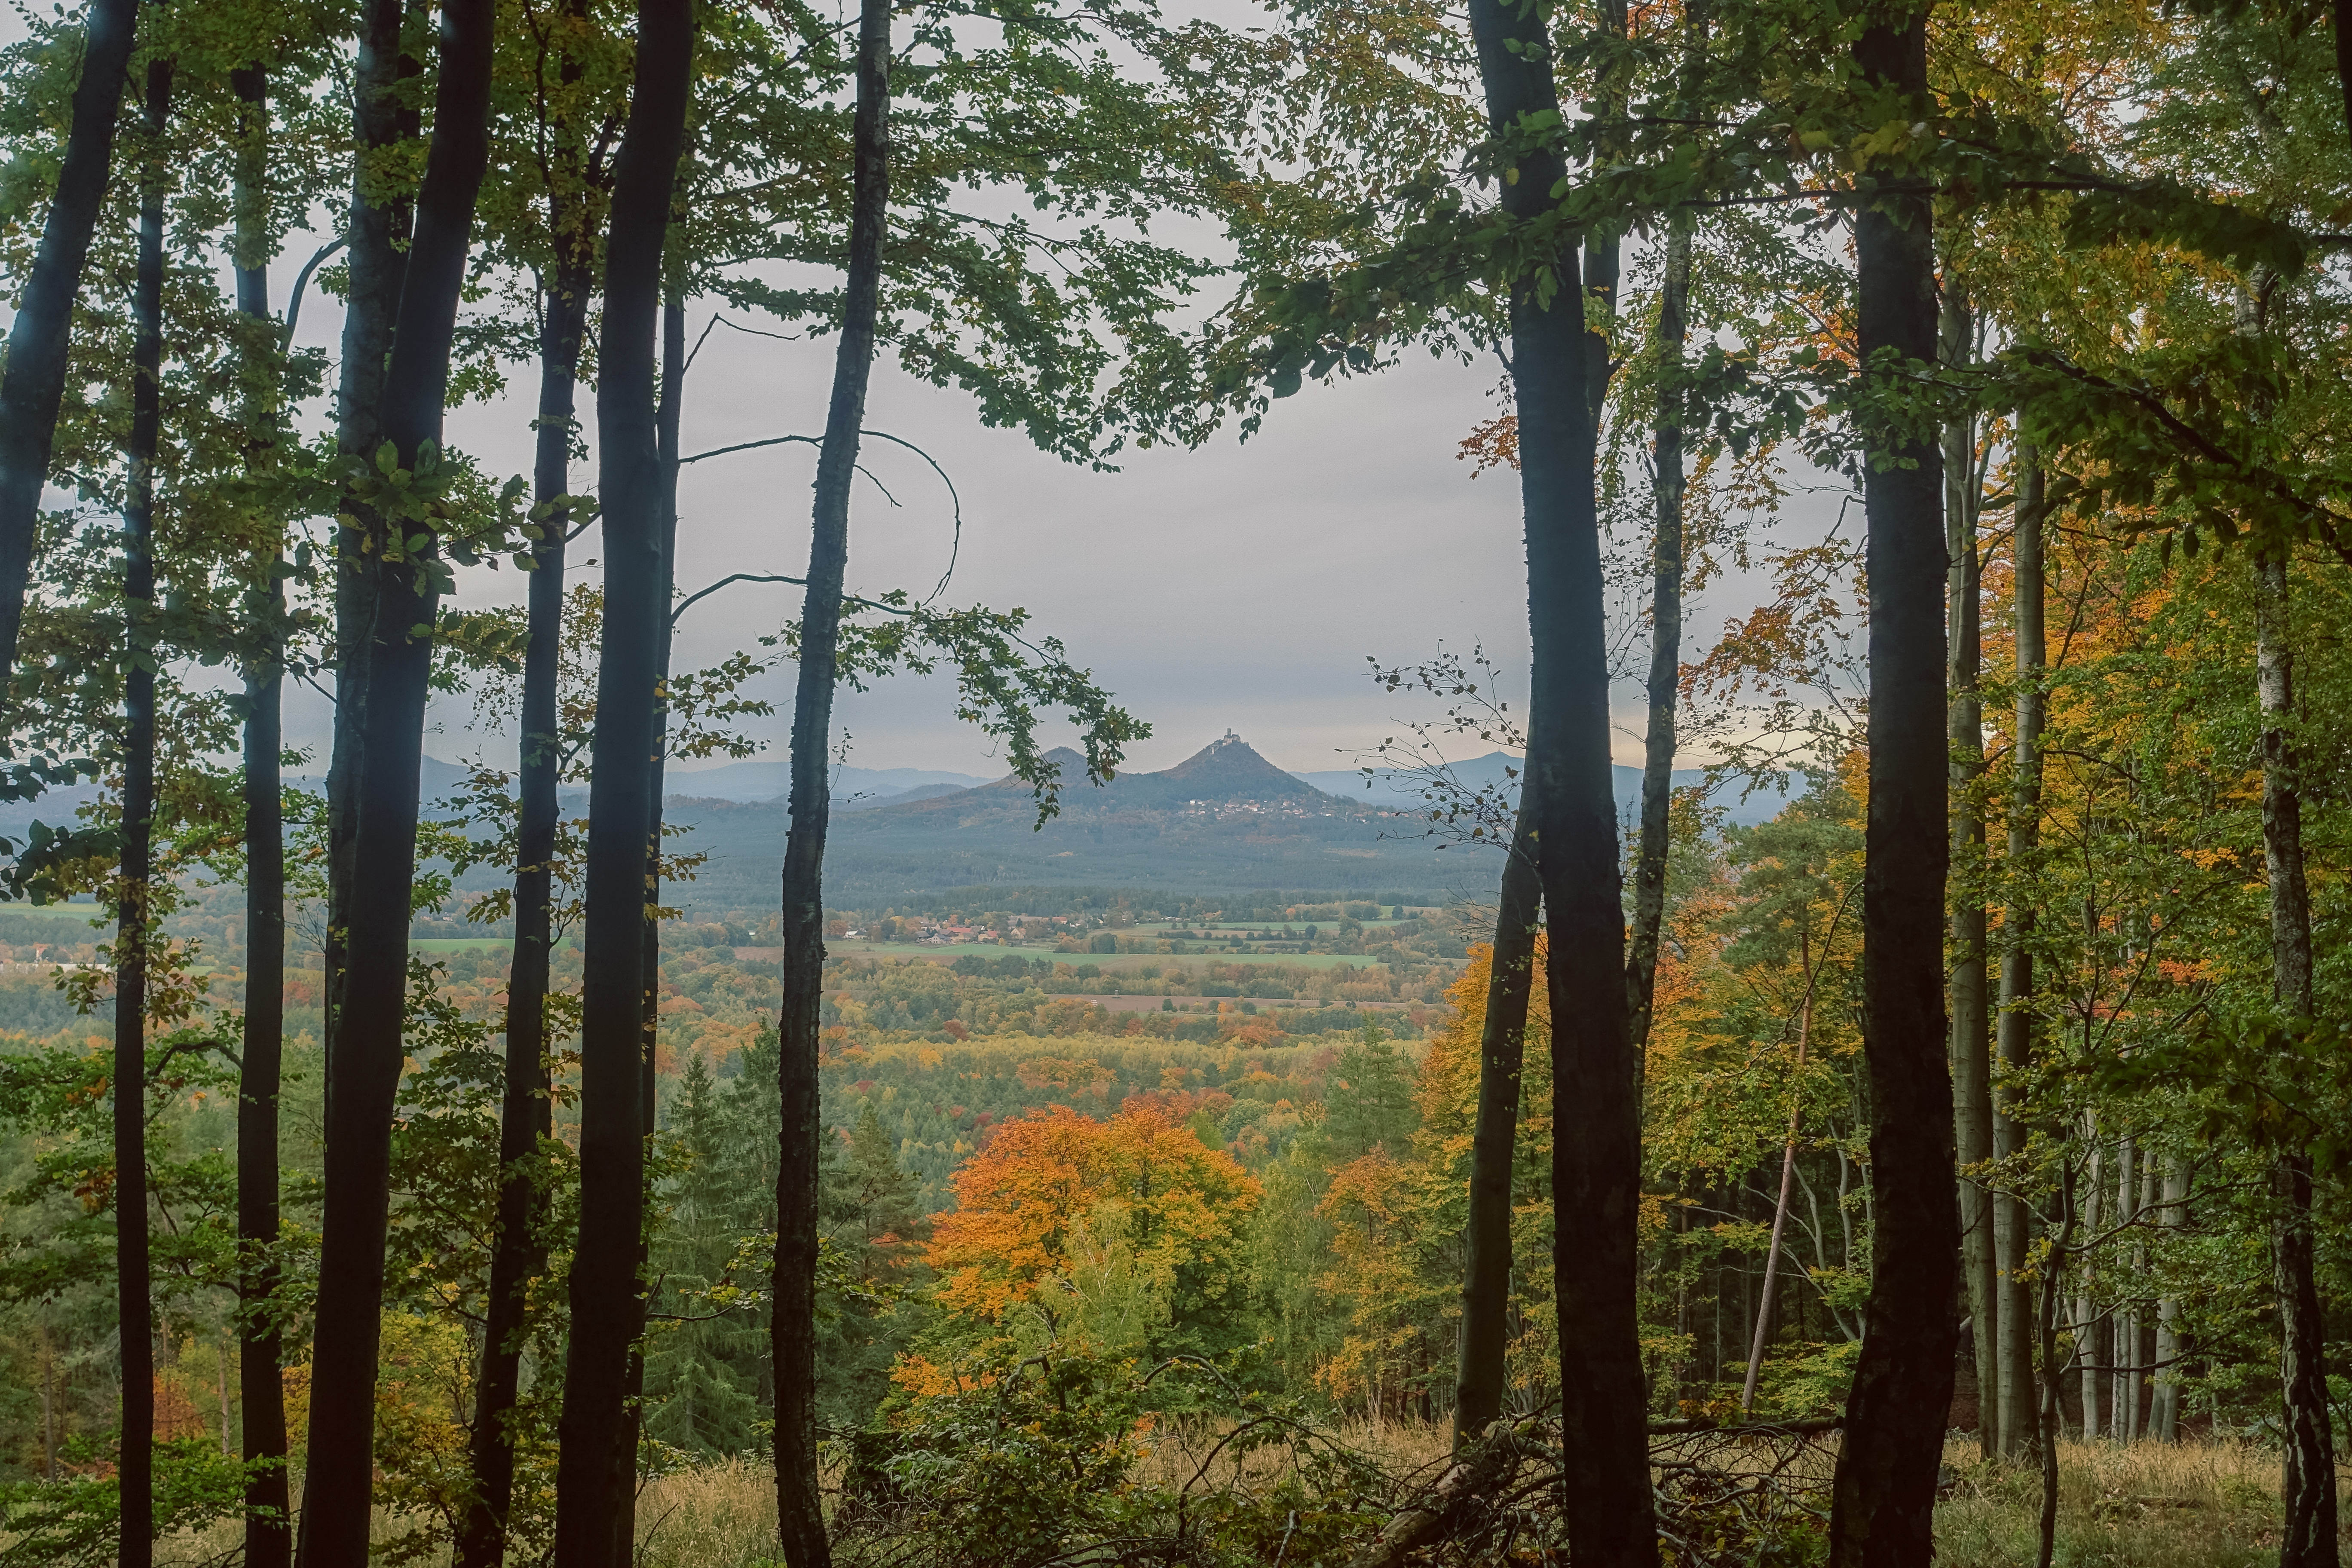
460 943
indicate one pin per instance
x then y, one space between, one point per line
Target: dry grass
2202 1504
717 1516
2198 1504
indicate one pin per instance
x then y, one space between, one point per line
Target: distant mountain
1404 790
1222 818
1227 772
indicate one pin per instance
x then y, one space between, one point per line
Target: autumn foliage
1051 1183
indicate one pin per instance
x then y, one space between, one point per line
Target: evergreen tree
703 1371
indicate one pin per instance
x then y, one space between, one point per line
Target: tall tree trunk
2123 1400
376 234
2013 1221
367 1048
2089 1326
261 1391
666 420
1596 1147
33 378
1666 643
1972 1053
2050 1424
593 1472
800 1516
2308 1539
526 1116
2164 1404
1883 1496
133 933
1502 1055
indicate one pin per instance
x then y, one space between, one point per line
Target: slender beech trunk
1971 1046
2088 1325
526 1118
261 1391
1666 643
1502 1055
2151 1213
1666 559
1596 1146
133 933
1781 1208
595 1472
1883 1497
2050 1426
2308 1539
32 379
2164 1404
367 1050
666 420
2122 1399
2013 1221
800 1517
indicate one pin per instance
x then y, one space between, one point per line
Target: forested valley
1917 1126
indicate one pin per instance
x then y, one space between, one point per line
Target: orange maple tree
1045 1177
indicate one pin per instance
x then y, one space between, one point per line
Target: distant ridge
1228 770
1396 790
1222 818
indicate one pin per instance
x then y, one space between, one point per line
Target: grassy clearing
2202 1504
2197 1505
2205 1504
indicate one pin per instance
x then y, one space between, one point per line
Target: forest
1953 1164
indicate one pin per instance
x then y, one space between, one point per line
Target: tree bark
799 1516
1665 645
526 1115
1596 1146
594 1473
377 236
2012 1222
2050 1426
2125 1397
1502 1054
133 933
367 1049
2164 1404
1972 1055
666 420
2088 1325
1883 1503
261 1391
33 381
2308 1538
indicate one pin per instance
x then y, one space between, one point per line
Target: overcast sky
1240 586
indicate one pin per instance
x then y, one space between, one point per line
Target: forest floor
2205 1504
2200 1504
